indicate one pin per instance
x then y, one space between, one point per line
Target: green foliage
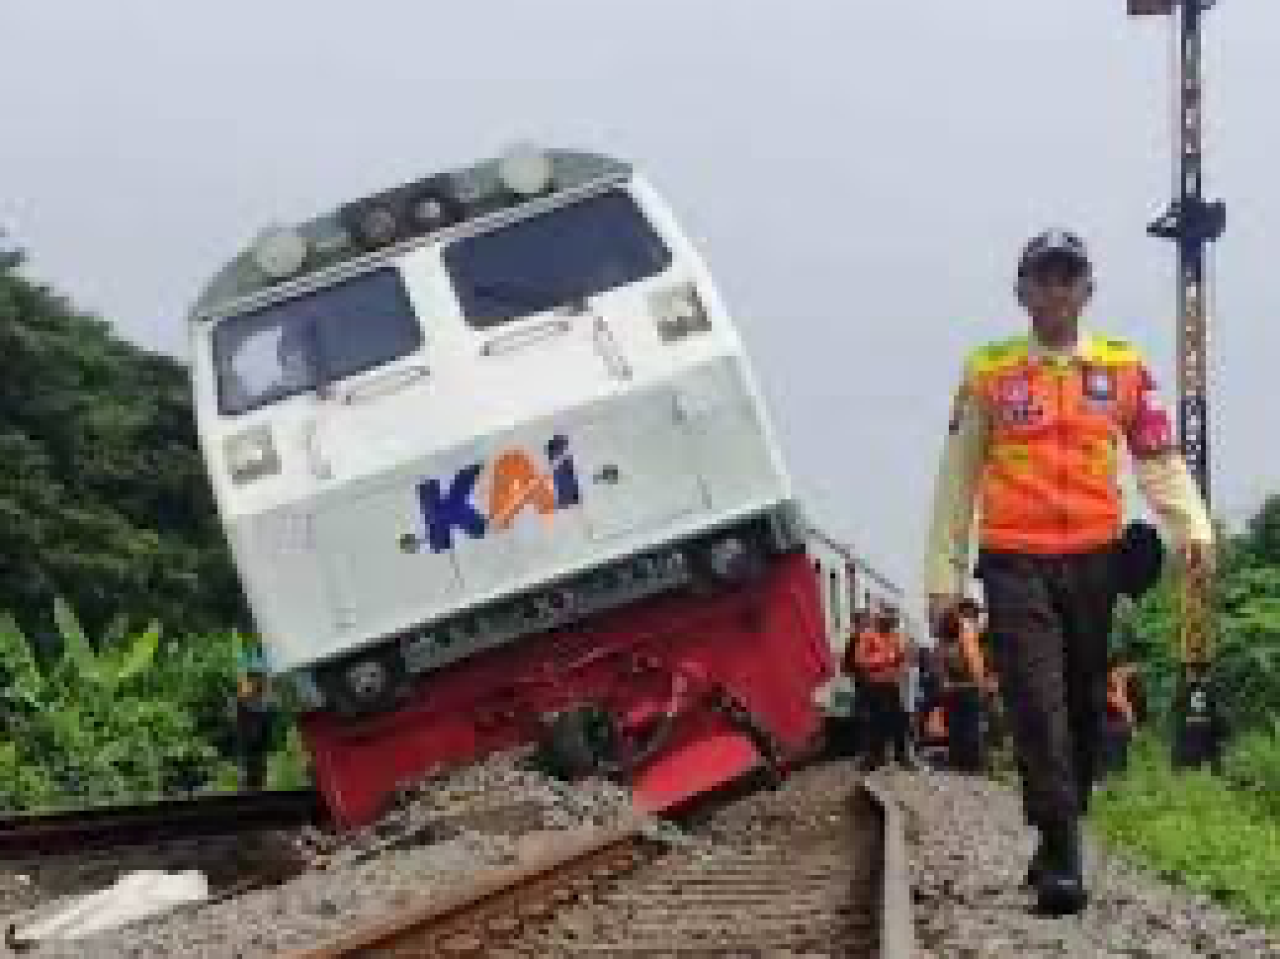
1264 533
103 498
289 767
1195 829
127 716
1247 641
1253 767
104 502
1219 834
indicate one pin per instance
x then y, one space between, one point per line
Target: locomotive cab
484 406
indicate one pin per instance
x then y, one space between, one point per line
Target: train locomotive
495 471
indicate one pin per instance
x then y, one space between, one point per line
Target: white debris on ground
969 849
445 829
132 897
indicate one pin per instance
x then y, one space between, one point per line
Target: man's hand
939 605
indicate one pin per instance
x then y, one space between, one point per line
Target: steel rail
69 830
498 903
506 910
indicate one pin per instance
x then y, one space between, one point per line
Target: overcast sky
859 175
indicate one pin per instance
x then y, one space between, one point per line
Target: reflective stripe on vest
1050 480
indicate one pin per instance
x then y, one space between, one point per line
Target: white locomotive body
485 404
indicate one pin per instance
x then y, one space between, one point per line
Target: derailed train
495 470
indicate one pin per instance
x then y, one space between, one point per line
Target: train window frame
243 325
507 291
833 579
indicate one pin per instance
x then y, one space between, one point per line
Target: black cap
1053 245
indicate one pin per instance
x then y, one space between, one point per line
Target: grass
1193 828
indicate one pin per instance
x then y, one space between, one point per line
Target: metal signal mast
1193 223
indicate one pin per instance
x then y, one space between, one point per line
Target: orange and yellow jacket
1034 444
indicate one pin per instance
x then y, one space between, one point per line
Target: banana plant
110 665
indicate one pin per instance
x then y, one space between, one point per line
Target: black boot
1060 885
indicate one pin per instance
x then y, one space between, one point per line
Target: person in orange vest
1034 447
967 684
880 657
854 734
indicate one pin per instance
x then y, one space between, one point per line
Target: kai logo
514 482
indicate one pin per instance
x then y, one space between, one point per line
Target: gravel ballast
969 851
442 832
967 842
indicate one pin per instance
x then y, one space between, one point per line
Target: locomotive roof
463 195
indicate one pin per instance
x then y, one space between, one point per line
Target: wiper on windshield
301 361
322 381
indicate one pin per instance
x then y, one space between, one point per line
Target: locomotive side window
315 339
577 251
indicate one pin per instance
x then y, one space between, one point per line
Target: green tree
103 497
1263 539
1247 637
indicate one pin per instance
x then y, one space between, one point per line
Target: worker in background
931 713
1121 715
879 661
859 732
256 721
967 683
1034 442
928 688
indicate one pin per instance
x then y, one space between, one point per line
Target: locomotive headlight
679 312
726 556
368 680
525 170
377 225
734 560
279 251
251 454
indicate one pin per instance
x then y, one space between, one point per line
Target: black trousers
888 721
255 729
966 744
1114 753
1050 621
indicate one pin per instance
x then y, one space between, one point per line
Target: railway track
808 870
74 830
230 838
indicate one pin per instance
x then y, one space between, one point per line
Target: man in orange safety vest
880 658
1034 446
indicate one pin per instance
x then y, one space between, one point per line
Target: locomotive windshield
568 254
304 343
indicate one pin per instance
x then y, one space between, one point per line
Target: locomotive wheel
362 685
578 742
